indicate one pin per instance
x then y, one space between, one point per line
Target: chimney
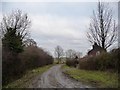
95 45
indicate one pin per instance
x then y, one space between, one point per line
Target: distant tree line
70 56
19 52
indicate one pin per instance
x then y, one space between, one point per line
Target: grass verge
28 77
98 79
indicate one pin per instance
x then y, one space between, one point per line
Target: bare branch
17 21
102 28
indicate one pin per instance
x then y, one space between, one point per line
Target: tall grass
100 79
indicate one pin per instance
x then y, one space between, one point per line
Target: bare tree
59 53
70 54
103 30
15 21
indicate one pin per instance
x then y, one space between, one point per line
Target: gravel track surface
54 78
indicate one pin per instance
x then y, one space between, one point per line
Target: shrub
71 62
14 65
89 63
11 67
104 61
107 61
34 57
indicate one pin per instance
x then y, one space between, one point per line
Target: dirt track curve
54 78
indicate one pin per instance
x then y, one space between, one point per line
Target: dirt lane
54 78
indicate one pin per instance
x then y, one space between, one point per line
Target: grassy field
98 79
27 78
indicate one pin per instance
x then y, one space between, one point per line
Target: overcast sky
58 23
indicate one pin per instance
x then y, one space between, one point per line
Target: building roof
95 49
